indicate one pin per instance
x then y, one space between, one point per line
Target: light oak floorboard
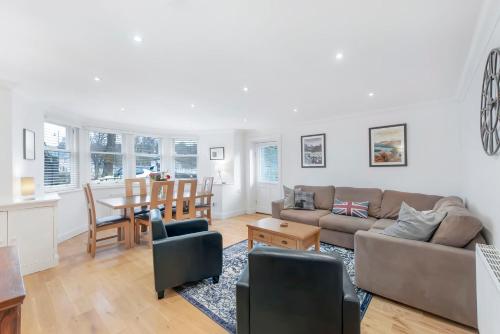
114 293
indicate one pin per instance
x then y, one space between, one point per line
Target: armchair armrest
351 321
186 258
243 302
436 278
277 206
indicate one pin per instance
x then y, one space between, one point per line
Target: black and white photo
313 151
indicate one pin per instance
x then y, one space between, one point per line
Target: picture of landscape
313 151
388 146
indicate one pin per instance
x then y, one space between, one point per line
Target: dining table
129 203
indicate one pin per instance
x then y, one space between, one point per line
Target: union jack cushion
347 208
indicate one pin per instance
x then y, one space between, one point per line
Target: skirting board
228 214
72 233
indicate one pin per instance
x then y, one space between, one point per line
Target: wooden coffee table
294 236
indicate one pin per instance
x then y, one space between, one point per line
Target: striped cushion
348 208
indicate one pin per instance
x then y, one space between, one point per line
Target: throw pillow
415 225
458 228
304 200
289 201
353 209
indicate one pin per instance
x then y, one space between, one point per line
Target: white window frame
148 155
72 149
175 155
121 153
258 147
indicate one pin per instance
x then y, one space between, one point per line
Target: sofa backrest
391 202
372 195
323 195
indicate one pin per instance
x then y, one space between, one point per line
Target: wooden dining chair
130 184
162 197
185 206
204 205
96 225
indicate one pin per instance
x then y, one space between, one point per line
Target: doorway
268 175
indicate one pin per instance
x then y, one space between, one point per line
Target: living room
249 167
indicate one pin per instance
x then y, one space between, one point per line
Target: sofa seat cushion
323 195
371 195
310 217
346 224
381 224
392 200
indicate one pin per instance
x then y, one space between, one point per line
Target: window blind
185 158
61 167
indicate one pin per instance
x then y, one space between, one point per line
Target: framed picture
388 146
28 144
216 153
313 151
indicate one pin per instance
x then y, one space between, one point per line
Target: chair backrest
90 206
189 197
302 291
206 187
162 193
130 183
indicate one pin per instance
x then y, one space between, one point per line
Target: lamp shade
27 186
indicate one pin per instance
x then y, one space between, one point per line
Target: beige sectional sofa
436 276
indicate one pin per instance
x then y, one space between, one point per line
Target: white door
268 175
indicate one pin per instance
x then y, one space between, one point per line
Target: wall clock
490 104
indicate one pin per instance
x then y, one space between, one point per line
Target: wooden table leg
132 236
250 240
317 243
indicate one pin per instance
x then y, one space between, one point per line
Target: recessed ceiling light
339 56
97 79
295 110
192 105
371 94
122 109
245 89
245 120
138 38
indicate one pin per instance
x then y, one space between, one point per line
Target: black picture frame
403 163
323 150
28 144
217 156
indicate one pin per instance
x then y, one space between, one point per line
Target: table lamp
28 187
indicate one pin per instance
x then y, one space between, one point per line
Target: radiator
488 289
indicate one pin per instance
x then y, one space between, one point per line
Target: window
60 166
106 159
268 166
147 155
185 158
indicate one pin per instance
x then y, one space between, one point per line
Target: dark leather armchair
286 291
184 252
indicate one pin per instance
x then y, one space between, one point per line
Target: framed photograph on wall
388 146
313 151
28 144
216 153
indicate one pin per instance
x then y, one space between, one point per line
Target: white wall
433 151
481 172
5 144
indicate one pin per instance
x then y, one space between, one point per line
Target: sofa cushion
391 202
458 228
415 225
289 199
304 216
304 200
372 195
445 202
346 224
348 208
478 239
381 224
323 195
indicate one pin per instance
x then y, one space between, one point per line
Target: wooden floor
114 293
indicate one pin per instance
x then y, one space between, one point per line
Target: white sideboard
31 225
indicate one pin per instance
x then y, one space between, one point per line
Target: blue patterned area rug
218 301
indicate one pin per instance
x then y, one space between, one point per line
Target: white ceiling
205 52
